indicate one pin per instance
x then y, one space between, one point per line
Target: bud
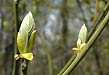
82 37
26 37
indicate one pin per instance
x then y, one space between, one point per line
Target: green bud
26 29
31 40
83 34
20 43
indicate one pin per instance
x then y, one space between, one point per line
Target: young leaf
20 43
28 56
31 40
83 34
26 29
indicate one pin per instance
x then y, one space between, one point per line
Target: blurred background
58 23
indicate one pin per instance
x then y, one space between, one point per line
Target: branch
89 35
16 15
88 45
98 20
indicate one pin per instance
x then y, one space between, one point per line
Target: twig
96 55
26 68
50 67
98 20
88 45
16 3
49 63
89 35
67 65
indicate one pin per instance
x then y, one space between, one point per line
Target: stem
18 67
95 52
89 35
98 21
68 64
26 68
96 9
48 55
64 14
64 17
88 45
16 3
49 63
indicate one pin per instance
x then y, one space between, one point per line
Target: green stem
16 3
26 62
94 26
89 35
48 55
68 64
98 21
88 45
49 63
18 67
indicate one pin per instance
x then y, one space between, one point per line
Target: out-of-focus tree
58 23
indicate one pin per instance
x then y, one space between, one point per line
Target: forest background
58 23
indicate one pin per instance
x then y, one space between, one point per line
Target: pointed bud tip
29 12
84 25
35 31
